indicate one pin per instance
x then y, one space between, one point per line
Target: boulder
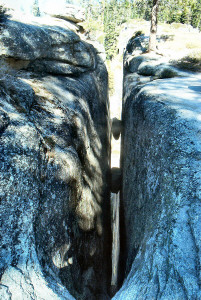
50 49
165 71
148 68
157 68
137 44
68 12
54 145
161 188
132 63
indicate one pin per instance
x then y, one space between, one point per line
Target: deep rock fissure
60 189
116 175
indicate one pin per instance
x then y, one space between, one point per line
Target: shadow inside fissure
117 217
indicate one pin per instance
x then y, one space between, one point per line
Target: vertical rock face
161 171
54 146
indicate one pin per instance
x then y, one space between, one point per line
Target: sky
25 5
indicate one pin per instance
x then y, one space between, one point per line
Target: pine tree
196 15
153 29
35 9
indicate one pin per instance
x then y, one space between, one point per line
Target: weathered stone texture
54 161
161 171
52 49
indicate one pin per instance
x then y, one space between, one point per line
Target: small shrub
137 33
92 25
123 21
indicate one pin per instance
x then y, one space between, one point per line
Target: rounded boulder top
68 12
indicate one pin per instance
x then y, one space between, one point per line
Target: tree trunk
153 29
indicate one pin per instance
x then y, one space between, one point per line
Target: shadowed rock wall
54 145
161 189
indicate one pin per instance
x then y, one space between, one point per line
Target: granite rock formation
55 239
54 145
69 13
52 49
161 171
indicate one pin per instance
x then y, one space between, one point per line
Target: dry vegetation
181 43
192 62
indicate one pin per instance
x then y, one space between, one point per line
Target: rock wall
55 153
161 189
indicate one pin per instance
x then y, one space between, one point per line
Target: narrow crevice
116 178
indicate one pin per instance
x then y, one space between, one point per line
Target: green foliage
138 33
108 15
181 11
110 78
111 22
35 9
196 15
142 9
